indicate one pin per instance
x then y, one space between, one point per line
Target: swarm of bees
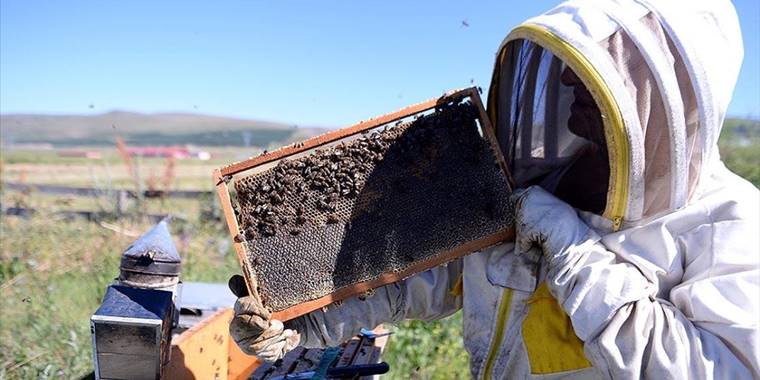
281 197
316 189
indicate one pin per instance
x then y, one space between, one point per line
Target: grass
428 350
53 275
49 285
47 167
53 272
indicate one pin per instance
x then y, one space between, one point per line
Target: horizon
196 113
297 64
157 113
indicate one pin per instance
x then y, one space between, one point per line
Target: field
54 270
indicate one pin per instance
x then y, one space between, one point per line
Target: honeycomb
376 204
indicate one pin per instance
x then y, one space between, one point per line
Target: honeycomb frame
225 175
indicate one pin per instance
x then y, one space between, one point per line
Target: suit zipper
502 317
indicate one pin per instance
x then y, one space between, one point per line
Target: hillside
207 130
146 129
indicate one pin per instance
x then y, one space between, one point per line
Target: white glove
545 222
574 259
253 330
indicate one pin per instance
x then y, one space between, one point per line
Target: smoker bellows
376 203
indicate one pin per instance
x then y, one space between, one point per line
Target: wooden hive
360 207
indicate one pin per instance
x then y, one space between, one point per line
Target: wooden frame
223 175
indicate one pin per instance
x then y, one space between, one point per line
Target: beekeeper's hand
253 329
546 223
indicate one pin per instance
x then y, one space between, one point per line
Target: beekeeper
637 250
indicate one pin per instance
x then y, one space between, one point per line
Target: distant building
91 154
178 152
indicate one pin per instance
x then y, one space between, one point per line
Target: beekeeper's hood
661 73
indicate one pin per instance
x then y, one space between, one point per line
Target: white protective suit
664 283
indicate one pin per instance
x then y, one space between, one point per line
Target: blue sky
325 63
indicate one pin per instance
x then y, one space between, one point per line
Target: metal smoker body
131 330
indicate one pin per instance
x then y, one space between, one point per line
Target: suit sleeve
424 296
707 328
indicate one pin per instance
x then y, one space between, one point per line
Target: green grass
53 274
428 350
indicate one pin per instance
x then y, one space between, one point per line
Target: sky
310 63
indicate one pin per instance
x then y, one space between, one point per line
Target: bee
269 230
225 178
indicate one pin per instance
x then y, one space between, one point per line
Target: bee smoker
131 330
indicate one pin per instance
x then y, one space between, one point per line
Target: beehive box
364 206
